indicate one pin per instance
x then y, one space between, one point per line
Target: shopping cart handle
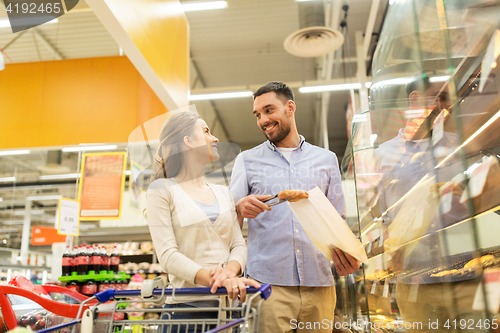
106 295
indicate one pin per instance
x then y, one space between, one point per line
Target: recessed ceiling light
5 23
330 87
8 179
62 176
207 5
14 152
204 97
44 197
33 212
90 147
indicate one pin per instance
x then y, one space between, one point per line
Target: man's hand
345 264
251 206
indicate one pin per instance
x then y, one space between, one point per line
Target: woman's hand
219 275
235 286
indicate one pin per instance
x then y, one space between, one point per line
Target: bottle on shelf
103 285
115 260
67 262
72 285
89 288
104 259
83 260
95 259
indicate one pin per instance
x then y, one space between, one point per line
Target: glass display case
424 160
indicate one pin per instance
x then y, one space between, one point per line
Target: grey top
212 210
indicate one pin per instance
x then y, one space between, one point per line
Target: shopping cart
102 316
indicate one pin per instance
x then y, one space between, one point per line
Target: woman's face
201 137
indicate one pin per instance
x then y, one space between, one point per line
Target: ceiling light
208 5
390 82
2 231
6 23
33 212
87 148
14 152
330 87
8 179
204 97
63 176
44 197
13 222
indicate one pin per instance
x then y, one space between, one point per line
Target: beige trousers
298 309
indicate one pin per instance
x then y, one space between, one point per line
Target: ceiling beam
47 44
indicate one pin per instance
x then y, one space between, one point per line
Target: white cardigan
185 239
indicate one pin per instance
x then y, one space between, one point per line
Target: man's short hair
420 82
281 90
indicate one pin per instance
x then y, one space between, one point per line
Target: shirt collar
272 146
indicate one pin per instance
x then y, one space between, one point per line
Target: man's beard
282 134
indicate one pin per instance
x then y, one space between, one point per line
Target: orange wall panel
68 102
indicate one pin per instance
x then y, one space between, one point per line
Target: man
422 299
279 251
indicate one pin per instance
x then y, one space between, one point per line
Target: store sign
45 236
101 186
69 221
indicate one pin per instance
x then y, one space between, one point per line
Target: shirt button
296 230
298 251
291 171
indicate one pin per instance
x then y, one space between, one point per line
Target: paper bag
325 227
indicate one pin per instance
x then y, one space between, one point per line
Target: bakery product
293 195
478 261
443 273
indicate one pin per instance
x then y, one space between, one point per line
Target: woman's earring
163 166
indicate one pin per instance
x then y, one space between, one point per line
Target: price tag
374 286
491 281
438 129
48 261
33 259
446 197
412 295
69 212
13 257
385 293
478 179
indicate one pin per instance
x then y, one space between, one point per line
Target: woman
193 224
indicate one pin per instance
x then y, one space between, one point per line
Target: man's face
272 116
